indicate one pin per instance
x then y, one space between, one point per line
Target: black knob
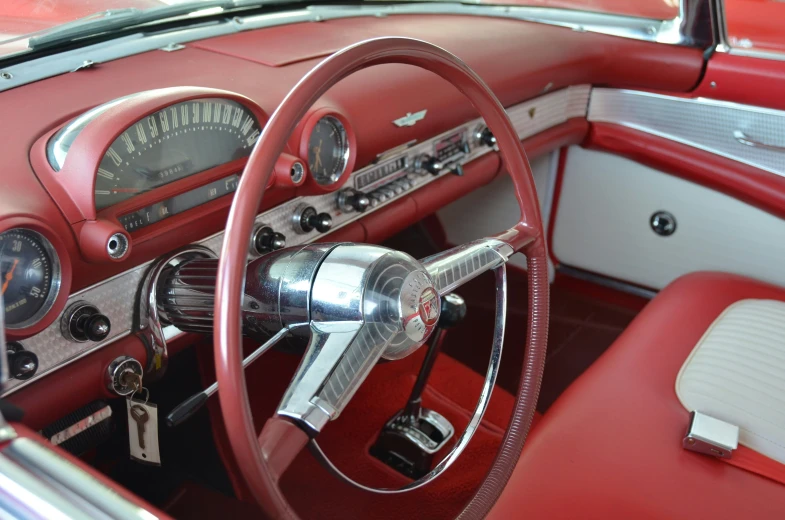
96 327
453 311
310 219
22 364
487 138
353 200
431 165
457 170
267 240
663 223
83 322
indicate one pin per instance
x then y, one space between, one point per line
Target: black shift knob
453 311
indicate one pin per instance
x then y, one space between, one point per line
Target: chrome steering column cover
365 304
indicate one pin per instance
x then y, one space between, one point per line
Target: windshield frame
691 28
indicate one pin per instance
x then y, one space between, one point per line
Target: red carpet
314 493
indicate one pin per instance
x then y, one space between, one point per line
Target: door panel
602 225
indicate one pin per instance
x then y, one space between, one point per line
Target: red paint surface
732 77
755 24
612 441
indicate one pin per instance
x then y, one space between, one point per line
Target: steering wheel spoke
456 266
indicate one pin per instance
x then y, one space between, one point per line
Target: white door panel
493 208
602 225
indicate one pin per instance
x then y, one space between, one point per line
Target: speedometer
173 143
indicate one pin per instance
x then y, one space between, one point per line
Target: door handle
744 139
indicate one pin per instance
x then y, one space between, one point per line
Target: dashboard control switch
457 169
267 240
486 137
350 200
429 164
22 364
306 219
83 322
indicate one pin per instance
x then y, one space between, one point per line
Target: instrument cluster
47 321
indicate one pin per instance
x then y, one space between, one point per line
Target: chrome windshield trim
645 29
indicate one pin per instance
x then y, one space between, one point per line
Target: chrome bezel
56 282
329 180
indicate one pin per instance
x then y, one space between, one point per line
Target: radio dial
486 137
430 164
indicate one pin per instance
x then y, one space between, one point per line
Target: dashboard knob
309 220
22 364
350 199
453 311
486 137
457 170
83 322
267 240
430 164
96 327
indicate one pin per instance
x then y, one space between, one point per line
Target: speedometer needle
9 275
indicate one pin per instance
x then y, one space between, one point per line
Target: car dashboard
119 164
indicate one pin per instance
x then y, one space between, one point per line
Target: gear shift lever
409 440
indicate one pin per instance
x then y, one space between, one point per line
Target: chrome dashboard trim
117 297
645 29
702 123
36 482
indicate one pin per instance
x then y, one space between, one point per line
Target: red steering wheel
263 458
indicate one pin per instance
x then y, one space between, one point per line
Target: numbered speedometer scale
173 143
29 276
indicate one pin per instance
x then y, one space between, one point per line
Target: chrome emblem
410 119
429 307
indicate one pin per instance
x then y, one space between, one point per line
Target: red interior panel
612 442
756 187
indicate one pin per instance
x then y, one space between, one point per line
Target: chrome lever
744 139
190 406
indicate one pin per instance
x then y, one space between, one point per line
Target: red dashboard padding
610 447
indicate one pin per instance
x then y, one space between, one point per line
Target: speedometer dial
30 277
173 143
328 150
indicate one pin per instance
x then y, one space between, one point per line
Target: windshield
25 24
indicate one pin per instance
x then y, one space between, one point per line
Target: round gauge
30 277
328 150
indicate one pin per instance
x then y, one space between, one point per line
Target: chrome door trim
707 124
34 480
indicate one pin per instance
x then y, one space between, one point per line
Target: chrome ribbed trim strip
703 123
116 296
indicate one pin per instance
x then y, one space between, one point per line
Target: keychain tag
143 431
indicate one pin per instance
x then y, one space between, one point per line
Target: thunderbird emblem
410 119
